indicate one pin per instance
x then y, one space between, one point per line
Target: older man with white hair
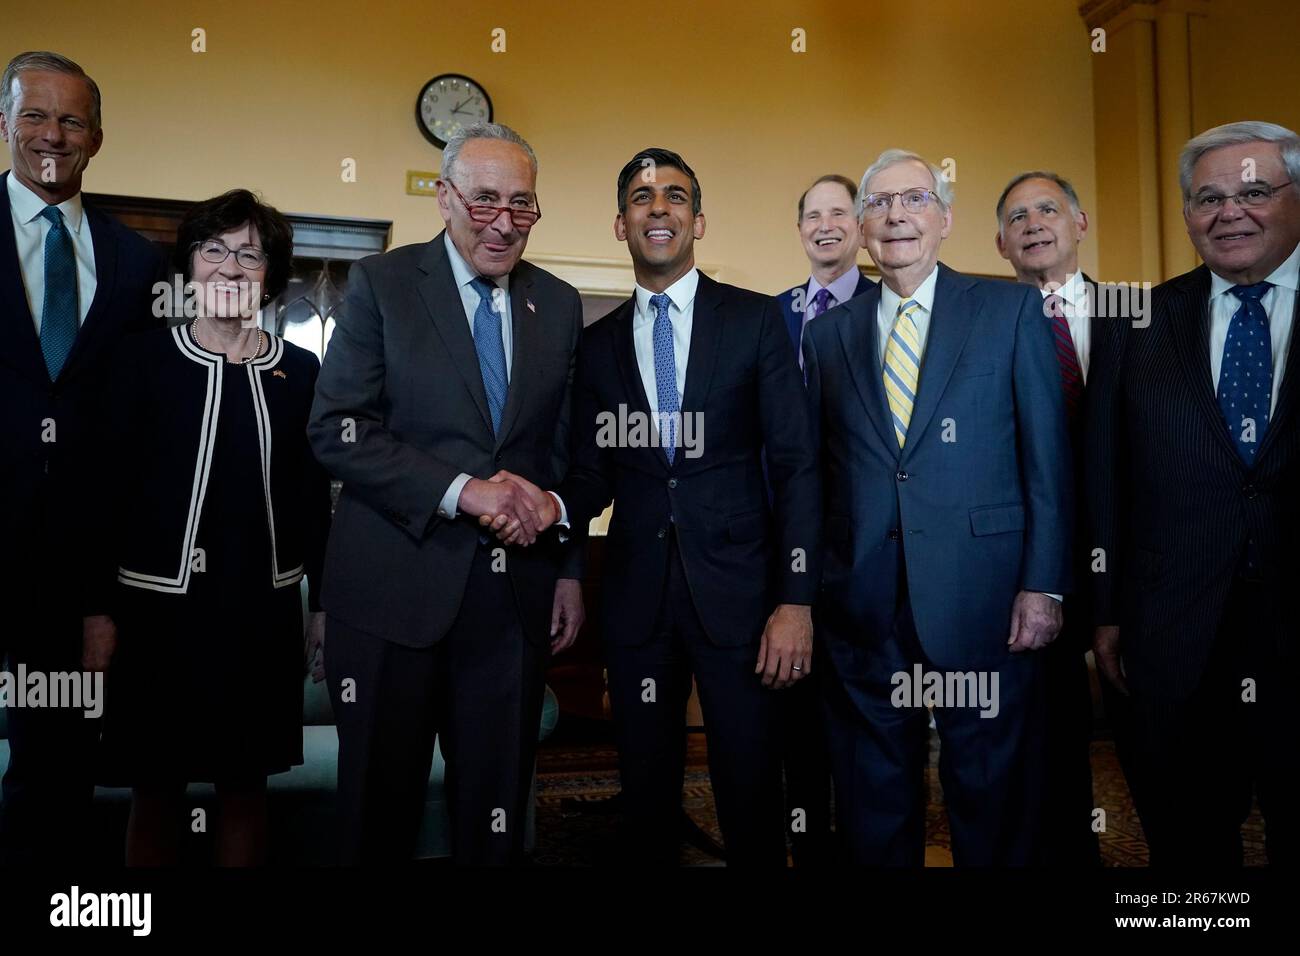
948 501
1193 461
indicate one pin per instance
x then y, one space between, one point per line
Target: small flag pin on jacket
531 307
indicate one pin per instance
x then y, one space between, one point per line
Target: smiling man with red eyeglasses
451 365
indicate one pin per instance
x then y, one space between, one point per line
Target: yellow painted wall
287 90
1246 64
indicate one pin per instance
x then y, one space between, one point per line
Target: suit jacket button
661 533
1249 491
902 476
498 458
672 482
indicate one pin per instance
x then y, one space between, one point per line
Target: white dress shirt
681 314
887 312
1278 302
1078 316
469 300
30 230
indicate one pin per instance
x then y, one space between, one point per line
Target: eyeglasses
875 205
217 252
1254 195
485 212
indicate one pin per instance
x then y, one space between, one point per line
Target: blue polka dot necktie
665 376
59 310
1246 373
489 345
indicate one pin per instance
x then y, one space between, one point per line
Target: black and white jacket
159 436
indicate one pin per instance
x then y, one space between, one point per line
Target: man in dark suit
1193 461
453 361
73 282
948 503
1040 226
704 577
828 230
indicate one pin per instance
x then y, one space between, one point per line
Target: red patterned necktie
1066 357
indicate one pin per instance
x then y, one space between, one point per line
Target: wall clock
448 102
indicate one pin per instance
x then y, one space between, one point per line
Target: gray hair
53 63
1235 134
451 152
1071 197
892 157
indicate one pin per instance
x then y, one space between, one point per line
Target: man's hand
315 637
515 509
98 641
785 653
567 614
537 511
1035 621
1105 648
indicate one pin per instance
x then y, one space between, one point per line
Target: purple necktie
819 304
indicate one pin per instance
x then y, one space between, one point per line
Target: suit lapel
525 341
1189 312
17 324
1288 396
625 355
443 303
706 330
860 340
951 321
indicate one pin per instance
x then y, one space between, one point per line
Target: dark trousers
479 690
1069 839
806 760
991 768
1199 762
49 784
649 687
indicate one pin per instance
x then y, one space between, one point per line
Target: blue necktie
819 304
59 312
665 376
488 344
1246 373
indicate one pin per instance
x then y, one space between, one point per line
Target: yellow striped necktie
903 367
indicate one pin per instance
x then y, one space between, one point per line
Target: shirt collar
1071 290
1287 275
461 271
29 206
681 294
841 288
924 294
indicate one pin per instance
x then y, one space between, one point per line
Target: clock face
448 102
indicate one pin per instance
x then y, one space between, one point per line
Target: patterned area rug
575 828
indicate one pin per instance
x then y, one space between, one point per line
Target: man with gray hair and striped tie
948 507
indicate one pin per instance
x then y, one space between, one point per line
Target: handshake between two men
513 508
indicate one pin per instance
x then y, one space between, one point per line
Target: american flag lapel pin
529 303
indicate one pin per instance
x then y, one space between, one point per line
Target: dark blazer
401 410
739 553
794 319
1172 505
46 487
983 514
164 412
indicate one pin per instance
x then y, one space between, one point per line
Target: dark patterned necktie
59 312
1066 357
1246 374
